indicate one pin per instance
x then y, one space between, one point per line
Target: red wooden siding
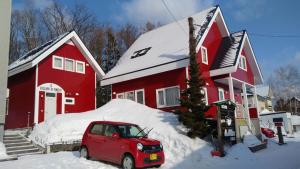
151 83
21 99
246 76
58 103
41 106
76 85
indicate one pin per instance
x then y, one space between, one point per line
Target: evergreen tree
111 52
192 100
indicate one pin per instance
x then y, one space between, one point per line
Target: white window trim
135 94
205 62
83 63
53 62
240 63
164 94
70 98
125 95
206 96
120 94
221 90
73 64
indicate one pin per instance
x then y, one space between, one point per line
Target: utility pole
5 15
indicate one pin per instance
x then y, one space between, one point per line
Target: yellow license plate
153 156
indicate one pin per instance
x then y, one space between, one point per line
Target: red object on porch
253 113
215 153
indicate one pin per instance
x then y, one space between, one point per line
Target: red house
55 78
154 69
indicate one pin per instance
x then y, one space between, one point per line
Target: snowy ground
3 154
239 156
181 152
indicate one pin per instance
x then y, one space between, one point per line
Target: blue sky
261 18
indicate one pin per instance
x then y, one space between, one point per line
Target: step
20 147
12 138
11 135
7 145
15 141
33 153
23 151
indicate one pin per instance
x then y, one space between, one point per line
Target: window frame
53 62
202 54
70 98
131 91
223 93
120 94
204 89
164 97
83 64
135 95
73 69
242 62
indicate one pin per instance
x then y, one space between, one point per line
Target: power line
172 15
273 35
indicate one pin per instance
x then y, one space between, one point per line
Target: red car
121 143
268 132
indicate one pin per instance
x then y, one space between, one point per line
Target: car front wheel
84 153
128 162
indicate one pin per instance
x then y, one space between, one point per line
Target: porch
246 114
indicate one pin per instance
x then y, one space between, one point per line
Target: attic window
140 52
243 63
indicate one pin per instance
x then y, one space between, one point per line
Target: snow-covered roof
162 49
229 51
33 57
34 53
263 91
232 48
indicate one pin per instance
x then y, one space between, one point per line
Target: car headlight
139 146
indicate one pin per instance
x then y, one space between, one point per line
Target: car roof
112 123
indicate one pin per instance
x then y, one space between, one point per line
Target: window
204 55
69 65
243 63
120 96
221 94
140 96
109 130
204 92
97 129
70 101
168 97
57 62
130 95
80 67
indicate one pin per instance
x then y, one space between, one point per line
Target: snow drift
166 128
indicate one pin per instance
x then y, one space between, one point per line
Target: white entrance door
50 105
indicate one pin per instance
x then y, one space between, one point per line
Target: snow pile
250 140
2 151
295 120
166 128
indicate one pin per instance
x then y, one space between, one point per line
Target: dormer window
204 56
140 52
243 63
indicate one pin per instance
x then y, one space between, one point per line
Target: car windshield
131 131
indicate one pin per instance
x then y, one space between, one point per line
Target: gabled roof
232 52
33 57
162 49
230 48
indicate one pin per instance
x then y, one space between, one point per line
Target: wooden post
220 136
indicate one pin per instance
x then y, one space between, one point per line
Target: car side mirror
115 135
